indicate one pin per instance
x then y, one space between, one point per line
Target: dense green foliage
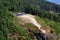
6 24
9 24
16 5
36 7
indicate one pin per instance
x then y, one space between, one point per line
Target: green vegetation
36 7
51 23
9 24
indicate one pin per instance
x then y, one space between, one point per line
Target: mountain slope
11 29
28 18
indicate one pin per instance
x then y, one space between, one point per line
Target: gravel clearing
28 18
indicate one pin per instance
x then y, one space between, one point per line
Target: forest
40 8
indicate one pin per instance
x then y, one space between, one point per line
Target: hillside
39 23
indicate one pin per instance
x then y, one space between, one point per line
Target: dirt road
28 18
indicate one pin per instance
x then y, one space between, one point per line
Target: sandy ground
28 18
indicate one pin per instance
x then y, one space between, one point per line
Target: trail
28 18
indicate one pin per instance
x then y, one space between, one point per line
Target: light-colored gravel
28 18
